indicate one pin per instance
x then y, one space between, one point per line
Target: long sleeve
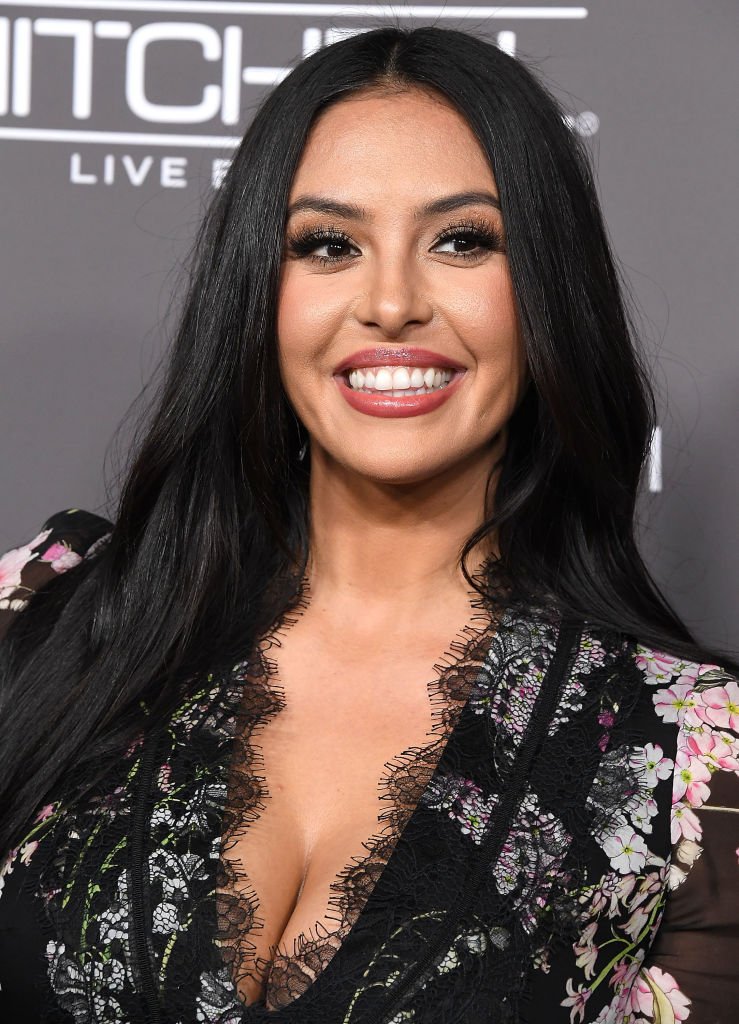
691 972
62 542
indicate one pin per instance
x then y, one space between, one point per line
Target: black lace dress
564 849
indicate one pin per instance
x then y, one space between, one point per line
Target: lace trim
286 976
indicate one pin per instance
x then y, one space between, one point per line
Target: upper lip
396 357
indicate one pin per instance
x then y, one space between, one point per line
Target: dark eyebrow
322 204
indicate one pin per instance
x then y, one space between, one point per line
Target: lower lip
380 404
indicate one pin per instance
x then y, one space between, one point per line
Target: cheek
307 311
485 317
307 318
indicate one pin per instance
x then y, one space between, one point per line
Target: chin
400 471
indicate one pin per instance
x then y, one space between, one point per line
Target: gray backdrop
115 119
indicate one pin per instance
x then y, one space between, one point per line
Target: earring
302 452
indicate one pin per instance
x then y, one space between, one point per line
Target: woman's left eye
475 240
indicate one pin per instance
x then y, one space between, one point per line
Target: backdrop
117 120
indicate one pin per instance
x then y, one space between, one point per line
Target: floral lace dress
564 849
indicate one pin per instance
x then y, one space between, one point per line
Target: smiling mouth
387 394
395 381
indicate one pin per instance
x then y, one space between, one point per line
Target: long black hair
211 535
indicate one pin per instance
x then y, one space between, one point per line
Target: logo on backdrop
129 89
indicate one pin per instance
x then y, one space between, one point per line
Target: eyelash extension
476 230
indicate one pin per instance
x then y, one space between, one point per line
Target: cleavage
334 746
325 812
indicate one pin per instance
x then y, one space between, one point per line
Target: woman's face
395 281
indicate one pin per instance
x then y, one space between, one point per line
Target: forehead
382 142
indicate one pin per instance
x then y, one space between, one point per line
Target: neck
395 546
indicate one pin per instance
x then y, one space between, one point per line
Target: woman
389 447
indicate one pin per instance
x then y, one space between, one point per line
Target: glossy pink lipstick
380 403
396 357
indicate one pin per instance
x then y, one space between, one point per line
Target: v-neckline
446 730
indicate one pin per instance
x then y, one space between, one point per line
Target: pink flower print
591 654
621 893
691 776
685 823
660 667
652 883
597 896
46 812
67 561
55 550
643 902
642 815
611 890
577 1000
719 752
6 867
688 852
606 719
134 746
13 562
164 782
623 979
619 973
626 850
720 705
650 758
640 918
28 850
38 540
61 557
635 924
586 952
676 877
641 1000
662 983
672 702
471 810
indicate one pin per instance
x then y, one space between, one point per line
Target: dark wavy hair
211 534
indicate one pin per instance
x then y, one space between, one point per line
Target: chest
158 891
342 727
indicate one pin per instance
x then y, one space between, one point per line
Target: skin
392 500
411 488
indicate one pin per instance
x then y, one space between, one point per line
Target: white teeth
383 380
397 381
401 379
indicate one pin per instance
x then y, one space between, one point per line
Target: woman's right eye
305 243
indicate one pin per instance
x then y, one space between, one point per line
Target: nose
394 297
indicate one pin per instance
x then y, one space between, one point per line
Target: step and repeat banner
118 120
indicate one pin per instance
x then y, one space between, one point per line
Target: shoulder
702 703
63 541
689 966
702 700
